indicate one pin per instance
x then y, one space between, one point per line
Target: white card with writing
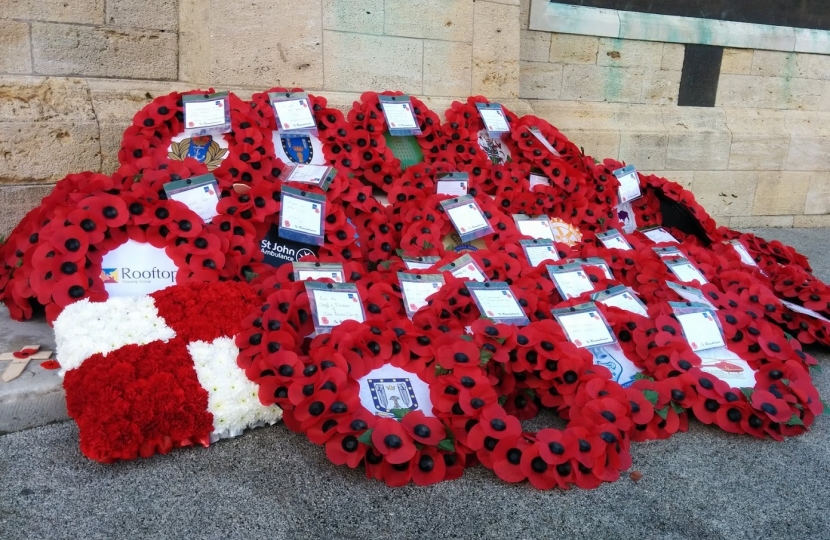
416 288
805 311
659 235
585 328
454 188
538 180
570 283
494 120
626 299
685 271
690 294
701 330
468 218
746 258
541 138
201 114
536 255
332 271
300 215
294 114
613 240
399 115
465 267
308 174
538 228
497 303
629 184
334 307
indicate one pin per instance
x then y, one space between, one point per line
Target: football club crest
495 148
298 148
389 394
201 148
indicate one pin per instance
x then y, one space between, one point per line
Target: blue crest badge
298 148
388 394
199 147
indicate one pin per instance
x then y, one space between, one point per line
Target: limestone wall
74 72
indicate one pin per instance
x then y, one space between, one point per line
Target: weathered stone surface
760 141
16 201
739 91
357 62
809 141
69 49
646 151
249 45
786 93
157 14
524 14
601 83
775 64
598 143
535 46
736 61
684 178
47 129
750 222
673 56
781 193
818 196
69 11
447 68
810 221
15 47
496 47
361 16
541 80
573 49
725 193
450 20
629 53
660 87
698 139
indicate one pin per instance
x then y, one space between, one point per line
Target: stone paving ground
271 482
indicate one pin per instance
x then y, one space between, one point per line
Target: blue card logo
298 148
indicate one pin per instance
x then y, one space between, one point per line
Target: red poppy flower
392 441
424 429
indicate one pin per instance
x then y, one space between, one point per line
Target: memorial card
301 216
333 304
416 288
621 297
700 325
613 239
570 280
293 112
207 114
465 267
584 325
199 193
454 184
400 117
539 251
495 121
467 218
629 184
316 270
496 301
538 227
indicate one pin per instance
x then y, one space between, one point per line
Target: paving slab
36 397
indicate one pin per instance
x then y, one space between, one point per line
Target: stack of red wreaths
470 380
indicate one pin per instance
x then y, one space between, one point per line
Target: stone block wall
758 158
74 72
